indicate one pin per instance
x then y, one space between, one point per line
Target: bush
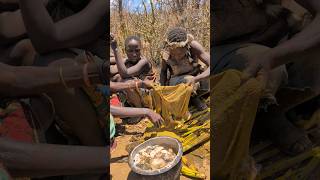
154 18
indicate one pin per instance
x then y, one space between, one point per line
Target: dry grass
151 25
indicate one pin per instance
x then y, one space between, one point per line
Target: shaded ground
274 164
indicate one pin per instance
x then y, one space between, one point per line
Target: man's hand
148 84
258 67
113 42
190 81
154 117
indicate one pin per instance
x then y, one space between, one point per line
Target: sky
134 5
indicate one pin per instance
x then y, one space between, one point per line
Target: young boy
135 66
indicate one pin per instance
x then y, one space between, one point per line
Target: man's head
133 47
177 41
177 34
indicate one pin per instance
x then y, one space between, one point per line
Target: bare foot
288 138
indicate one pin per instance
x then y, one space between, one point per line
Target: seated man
180 57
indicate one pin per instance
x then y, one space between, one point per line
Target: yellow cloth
234 107
171 102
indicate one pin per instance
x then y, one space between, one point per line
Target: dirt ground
119 168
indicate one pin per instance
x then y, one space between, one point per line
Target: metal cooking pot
170 172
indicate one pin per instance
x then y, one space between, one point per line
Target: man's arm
72 31
36 160
27 80
204 57
306 41
163 73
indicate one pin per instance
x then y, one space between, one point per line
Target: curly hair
177 34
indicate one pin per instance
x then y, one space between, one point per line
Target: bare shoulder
197 47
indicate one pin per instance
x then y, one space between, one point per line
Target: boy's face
178 53
133 50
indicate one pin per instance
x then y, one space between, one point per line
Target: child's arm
136 112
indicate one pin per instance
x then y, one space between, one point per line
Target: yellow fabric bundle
171 101
234 107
